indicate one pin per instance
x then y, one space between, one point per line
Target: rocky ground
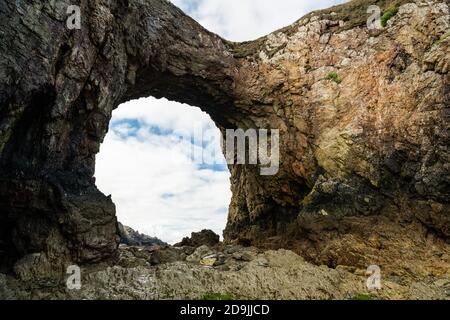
186 272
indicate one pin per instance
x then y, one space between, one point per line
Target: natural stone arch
343 172
54 120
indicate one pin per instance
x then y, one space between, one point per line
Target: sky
242 20
149 164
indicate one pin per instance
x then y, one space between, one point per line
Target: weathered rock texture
267 275
197 239
57 91
364 160
131 237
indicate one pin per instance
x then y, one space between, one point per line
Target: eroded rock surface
131 237
58 88
267 275
204 237
363 116
365 157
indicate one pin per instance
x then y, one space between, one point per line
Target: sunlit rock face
363 117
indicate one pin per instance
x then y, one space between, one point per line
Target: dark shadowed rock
130 237
197 239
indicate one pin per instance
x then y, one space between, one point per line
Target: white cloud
164 114
241 20
152 178
156 186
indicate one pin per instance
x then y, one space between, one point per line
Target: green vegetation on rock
333 76
442 39
388 14
352 13
363 296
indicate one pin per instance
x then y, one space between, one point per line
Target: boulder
197 239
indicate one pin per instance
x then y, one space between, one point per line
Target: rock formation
363 116
242 273
131 237
197 239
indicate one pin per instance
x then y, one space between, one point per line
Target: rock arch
360 155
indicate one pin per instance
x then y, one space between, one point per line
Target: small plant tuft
442 39
388 14
363 297
333 76
217 296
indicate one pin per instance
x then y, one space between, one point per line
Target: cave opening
163 166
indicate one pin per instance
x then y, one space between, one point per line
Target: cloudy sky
148 162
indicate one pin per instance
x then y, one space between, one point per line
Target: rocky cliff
131 237
365 145
363 116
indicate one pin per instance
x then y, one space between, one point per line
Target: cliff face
364 124
363 117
